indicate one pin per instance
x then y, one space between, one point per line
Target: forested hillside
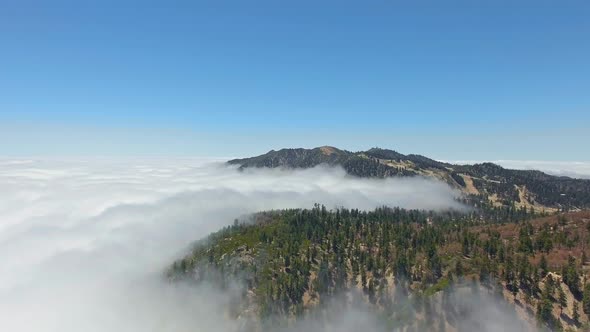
502 187
405 264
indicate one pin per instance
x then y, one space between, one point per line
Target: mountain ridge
531 189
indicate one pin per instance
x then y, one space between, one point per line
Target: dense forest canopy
294 261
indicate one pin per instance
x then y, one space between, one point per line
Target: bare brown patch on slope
327 150
469 186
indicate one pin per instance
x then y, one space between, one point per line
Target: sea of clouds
84 243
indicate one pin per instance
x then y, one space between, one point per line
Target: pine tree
576 314
586 299
571 277
543 266
561 298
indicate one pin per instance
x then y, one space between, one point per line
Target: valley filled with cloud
84 242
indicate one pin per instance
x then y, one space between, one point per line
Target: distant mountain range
500 186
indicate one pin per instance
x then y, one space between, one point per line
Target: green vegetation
293 260
441 285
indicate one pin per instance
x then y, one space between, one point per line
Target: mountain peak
328 150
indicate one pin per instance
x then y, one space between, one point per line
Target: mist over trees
296 260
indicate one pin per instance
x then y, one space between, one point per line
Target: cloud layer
574 169
83 242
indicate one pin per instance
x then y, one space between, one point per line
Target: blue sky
476 80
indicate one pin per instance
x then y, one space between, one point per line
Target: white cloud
83 243
574 169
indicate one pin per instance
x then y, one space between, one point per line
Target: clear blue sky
448 79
